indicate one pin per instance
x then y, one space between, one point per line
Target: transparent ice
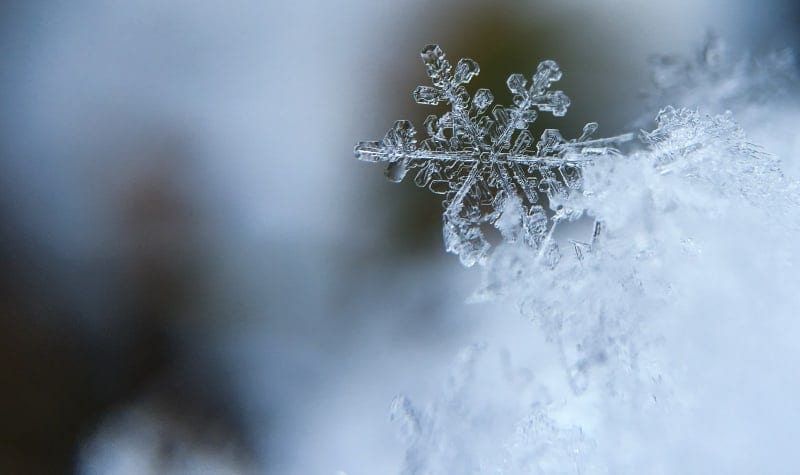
487 165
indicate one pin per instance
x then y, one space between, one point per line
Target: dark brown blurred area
60 378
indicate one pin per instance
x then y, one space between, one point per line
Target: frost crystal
488 166
713 150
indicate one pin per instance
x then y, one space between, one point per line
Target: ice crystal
713 150
488 166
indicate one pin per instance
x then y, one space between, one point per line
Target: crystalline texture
488 164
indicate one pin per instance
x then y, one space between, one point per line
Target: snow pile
668 332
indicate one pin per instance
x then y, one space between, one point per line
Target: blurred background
196 275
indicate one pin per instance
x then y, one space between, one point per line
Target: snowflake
489 168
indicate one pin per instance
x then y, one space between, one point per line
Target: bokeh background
196 276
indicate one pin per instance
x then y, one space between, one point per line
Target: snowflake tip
466 69
368 151
547 73
436 63
426 95
516 83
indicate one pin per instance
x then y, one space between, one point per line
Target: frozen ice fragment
369 151
588 130
426 95
550 254
516 83
571 175
547 73
501 115
437 66
550 142
483 99
466 69
460 97
527 116
535 224
425 175
431 125
523 142
556 102
401 136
